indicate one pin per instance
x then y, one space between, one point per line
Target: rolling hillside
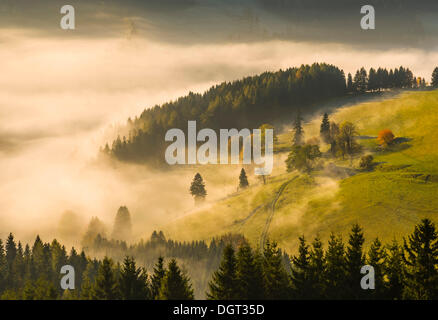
387 201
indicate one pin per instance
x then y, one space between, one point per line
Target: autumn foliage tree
385 137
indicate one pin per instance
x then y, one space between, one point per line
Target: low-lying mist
62 99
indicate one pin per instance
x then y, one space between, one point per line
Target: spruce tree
197 189
394 271
350 87
157 277
301 272
372 80
3 267
377 258
355 260
249 274
133 281
105 286
122 225
317 270
86 288
59 259
11 250
39 257
361 80
336 269
421 257
276 279
11 253
434 81
243 180
223 285
88 279
298 131
325 129
175 285
19 267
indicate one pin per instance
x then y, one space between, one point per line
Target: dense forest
402 271
250 102
33 271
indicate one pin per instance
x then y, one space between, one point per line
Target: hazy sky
399 23
63 92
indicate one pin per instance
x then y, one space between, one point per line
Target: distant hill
245 103
251 102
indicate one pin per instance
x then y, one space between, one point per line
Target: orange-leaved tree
385 137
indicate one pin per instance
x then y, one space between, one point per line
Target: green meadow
386 201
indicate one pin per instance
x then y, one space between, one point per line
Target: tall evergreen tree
394 270
11 253
301 272
122 225
133 281
3 267
355 260
298 137
372 80
317 270
350 87
360 80
175 285
249 274
58 259
275 276
377 258
19 267
157 277
434 81
336 269
325 129
11 250
223 285
197 189
88 279
105 286
243 180
421 258
40 263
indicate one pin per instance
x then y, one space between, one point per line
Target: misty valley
223 150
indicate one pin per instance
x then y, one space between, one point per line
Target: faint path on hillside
242 222
271 214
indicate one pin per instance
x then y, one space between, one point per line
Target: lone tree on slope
243 180
197 189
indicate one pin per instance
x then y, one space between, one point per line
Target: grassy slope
387 202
